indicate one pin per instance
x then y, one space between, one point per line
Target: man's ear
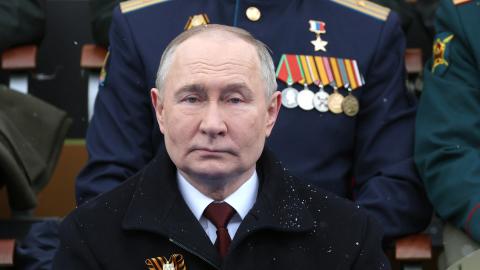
272 111
158 106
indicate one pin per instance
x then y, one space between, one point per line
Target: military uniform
366 156
21 22
448 136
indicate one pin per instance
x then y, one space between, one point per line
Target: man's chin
211 171
211 174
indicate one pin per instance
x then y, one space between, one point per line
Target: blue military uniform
367 157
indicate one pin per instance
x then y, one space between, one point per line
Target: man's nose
213 122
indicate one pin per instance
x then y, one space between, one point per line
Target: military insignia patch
441 53
197 20
175 262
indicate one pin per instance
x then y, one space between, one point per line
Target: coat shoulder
324 204
366 8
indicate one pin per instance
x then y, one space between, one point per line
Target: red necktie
220 214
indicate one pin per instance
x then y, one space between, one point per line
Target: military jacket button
253 14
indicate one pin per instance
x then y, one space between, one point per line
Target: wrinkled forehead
216 48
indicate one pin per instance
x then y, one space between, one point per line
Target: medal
335 101
349 69
310 75
318 27
350 104
305 99
320 100
289 72
289 97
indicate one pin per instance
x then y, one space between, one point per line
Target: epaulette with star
132 5
366 7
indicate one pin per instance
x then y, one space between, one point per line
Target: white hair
266 62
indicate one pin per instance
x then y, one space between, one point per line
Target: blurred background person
447 143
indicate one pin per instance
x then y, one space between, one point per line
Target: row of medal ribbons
321 71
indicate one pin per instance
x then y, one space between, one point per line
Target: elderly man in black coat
217 198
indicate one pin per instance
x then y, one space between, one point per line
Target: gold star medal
318 27
197 20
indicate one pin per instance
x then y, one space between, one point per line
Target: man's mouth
212 150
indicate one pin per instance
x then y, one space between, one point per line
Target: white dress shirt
242 200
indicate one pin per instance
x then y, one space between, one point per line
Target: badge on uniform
318 27
175 262
196 20
441 52
323 72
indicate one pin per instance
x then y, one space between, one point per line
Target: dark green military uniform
21 22
447 150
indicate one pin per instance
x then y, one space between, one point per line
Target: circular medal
335 102
320 101
350 105
289 97
305 99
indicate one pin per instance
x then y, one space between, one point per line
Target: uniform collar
158 207
242 200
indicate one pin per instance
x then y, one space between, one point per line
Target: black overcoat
291 226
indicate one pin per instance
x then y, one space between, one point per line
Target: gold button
253 14
361 3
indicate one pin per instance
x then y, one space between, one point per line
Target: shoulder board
459 2
132 5
366 7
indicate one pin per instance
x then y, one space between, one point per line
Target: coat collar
158 207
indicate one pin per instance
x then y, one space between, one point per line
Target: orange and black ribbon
176 262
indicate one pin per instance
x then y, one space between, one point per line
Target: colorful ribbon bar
307 69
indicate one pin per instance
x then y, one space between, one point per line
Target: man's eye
190 99
235 100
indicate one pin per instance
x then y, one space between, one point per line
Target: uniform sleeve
119 139
21 22
386 182
73 252
447 143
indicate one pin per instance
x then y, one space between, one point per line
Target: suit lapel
158 207
278 206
